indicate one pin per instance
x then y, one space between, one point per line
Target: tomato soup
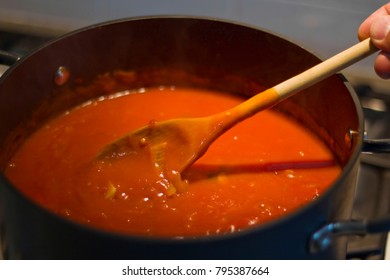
260 170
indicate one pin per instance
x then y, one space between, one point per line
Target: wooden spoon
176 144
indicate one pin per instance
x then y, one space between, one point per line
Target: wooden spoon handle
293 85
270 97
325 69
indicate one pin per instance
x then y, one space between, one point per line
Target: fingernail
380 28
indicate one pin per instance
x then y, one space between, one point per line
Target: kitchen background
324 27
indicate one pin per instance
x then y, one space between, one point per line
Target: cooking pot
199 52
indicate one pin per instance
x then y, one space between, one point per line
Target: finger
364 29
380 32
382 65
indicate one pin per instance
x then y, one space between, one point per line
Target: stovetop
373 190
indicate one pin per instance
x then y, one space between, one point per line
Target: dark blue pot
195 52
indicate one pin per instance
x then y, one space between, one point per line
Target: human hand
377 27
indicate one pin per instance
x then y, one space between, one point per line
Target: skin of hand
377 26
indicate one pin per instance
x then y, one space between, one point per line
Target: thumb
380 34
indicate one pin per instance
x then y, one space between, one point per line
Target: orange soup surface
258 171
